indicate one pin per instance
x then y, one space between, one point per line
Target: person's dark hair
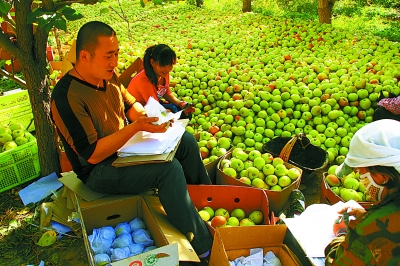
161 54
390 172
88 35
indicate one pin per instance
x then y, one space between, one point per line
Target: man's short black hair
88 35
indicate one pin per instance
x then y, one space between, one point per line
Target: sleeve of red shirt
391 104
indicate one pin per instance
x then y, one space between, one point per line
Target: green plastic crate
13 99
19 165
20 113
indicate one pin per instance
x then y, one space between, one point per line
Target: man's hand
146 124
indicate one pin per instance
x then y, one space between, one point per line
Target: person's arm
391 104
108 145
172 99
137 110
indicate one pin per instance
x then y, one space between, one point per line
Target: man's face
105 58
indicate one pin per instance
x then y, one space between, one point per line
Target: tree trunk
325 8
246 6
39 92
31 53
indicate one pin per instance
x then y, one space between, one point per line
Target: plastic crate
13 99
20 113
19 165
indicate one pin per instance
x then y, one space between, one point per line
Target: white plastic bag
271 260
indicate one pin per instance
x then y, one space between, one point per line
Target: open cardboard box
230 197
327 196
278 200
234 242
99 209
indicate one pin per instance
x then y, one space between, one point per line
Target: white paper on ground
40 189
313 229
146 143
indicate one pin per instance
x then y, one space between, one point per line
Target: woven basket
298 151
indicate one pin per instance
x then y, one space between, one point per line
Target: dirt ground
19 232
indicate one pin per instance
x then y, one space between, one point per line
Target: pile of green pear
252 77
13 135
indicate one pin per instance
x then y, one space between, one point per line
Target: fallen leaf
47 239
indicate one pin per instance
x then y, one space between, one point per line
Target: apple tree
31 24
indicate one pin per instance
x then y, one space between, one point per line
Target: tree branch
7 45
13 78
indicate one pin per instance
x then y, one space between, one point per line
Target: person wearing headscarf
373 238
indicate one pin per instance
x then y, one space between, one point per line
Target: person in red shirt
153 81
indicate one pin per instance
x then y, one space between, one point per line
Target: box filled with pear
349 187
19 161
262 171
225 206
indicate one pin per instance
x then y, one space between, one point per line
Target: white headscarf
377 143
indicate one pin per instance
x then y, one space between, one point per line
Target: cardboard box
230 197
278 200
233 242
327 196
100 209
115 211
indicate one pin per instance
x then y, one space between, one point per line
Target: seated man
90 108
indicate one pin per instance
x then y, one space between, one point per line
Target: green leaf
60 23
13 223
35 15
5 7
104 10
142 4
47 239
158 2
70 13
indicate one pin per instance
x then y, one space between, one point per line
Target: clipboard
146 159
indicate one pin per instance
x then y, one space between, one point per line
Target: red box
278 200
230 197
327 196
